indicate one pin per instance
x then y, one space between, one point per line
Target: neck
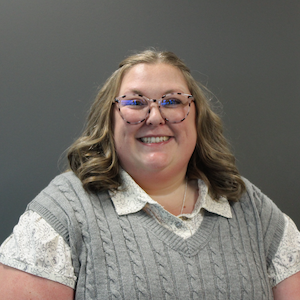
169 191
159 183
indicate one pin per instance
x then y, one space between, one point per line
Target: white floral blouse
35 247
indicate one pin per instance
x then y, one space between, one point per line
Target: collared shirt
131 198
35 247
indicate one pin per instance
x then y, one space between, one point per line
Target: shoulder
261 201
65 181
63 188
59 202
65 204
266 216
267 210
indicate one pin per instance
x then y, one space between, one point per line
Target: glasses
135 108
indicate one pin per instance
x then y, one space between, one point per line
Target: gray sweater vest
134 257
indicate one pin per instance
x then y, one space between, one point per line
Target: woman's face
171 153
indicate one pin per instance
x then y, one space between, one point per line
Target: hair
93 158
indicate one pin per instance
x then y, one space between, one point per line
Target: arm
15 285
288 289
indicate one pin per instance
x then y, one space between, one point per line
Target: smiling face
154 145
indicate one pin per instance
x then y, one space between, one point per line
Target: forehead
159 77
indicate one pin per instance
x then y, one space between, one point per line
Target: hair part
93 158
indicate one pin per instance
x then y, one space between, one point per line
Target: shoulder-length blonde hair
93 158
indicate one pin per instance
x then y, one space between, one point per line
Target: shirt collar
131 198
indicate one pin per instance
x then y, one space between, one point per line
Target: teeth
150 140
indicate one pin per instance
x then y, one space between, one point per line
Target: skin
18 285
158 168
288 289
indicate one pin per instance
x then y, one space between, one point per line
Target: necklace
183 201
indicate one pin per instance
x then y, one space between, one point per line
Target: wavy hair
92 157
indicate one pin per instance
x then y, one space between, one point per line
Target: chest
133 257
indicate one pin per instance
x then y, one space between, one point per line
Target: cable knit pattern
138 266
77 206
240 259
195 284
201 288
71 194
164 272
251 227
215 254
134 257
111 260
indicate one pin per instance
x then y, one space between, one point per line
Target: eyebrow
137 92
140 93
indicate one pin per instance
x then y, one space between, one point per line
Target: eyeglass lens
174 107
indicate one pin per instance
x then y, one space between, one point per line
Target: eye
133 103
171 102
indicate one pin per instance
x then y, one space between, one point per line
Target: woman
154 207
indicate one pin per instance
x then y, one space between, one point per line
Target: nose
155 117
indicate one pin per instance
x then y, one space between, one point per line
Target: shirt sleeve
286 260
36 248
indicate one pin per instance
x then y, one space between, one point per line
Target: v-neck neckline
188 246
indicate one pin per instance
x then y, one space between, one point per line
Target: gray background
55 54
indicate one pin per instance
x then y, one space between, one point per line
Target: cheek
124 134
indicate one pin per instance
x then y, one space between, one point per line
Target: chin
155 168
157 161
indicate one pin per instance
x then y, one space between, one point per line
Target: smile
151 140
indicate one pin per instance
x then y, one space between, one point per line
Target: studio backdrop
55 54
